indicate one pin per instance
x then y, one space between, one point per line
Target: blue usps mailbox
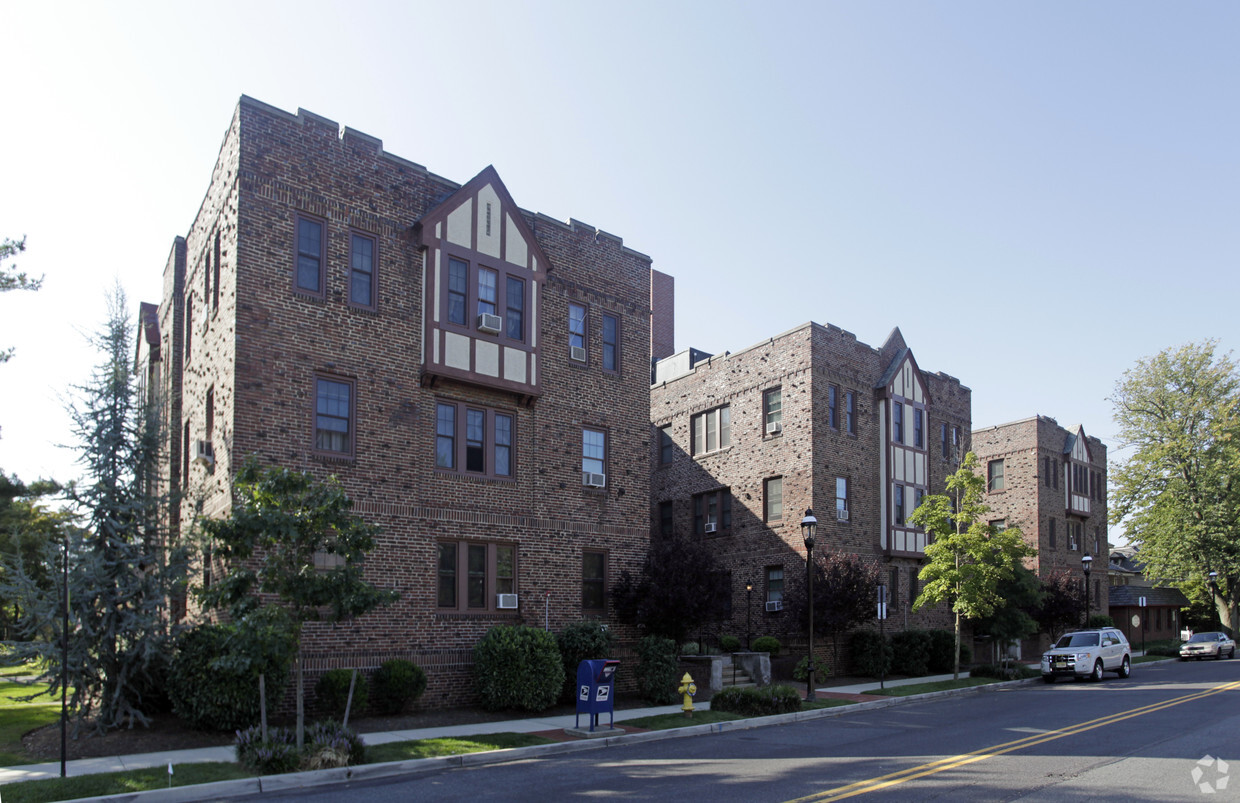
596 679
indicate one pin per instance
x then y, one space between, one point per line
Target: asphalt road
1136 739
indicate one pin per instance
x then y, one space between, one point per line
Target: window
593 451
487 291
215 287
1097 541
712 430
458 290
919 438
898 497
912 588
666 445
897 422
850 412
206 281
998 524
210 428
476 440
577 331
333 416
472 574
666 520
362 271
919 494
943 435
841 499
774 583
185 452
773 410
189 326
774 499
994 475
1052 533
611 343
712 512
514 312
593 581
833 419
309 273
955 443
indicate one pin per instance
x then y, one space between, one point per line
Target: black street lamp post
748 614
1086 563
808 525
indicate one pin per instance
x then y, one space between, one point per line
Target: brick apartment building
745 442
475 375
1051 483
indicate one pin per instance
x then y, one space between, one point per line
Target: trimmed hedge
396 684
871 653
767 644
581 641
942 651
729 643
1011 672
332 692
757 702
518 667
910 653
656 670
214 686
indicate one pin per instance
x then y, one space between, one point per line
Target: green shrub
1167 649
942 651
332 692
1100 620
729 643
689 648
396 684
757 702
1010 672
518 667
767 644
871 653
213 678
656 670
327 744
581 641
910 652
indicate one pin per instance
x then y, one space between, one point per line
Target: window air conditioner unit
775 428
841 514
203 453
506 602
774 606
591 480
489 323
710 527
578 353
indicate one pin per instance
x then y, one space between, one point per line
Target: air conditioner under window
774 606
710 527
203 453
490 324
578 353
774 428
592 480
506 602
841 514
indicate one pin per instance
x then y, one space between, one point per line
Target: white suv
1087 654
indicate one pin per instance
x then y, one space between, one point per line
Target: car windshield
1200 637
1078 640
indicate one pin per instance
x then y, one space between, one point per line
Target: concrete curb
422 766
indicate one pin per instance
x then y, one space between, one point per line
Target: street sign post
882 636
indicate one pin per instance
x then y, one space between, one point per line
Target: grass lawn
662 722
941 685
429 748
17 718
117 783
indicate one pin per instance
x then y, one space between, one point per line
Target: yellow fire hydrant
688 688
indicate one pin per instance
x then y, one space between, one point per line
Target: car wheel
1096 675
1125 669
1048 678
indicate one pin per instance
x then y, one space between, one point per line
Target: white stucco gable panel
456 351
490 213
516 250
460 224
486 357
514 365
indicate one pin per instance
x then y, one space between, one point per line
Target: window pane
445 440
897 422
712 432
610 343
503 445
832 419
477 580
505 570
361 264
665 444
593 451
699 433
458 289
774 406
332 419
774 499
514 319
774 584
918 435
841 495
899 500
576 325
725 426
487 281
309 254
850 412
593 569
447 575
475 432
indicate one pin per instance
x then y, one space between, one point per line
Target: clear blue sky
1038 195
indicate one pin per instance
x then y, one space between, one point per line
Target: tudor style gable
1081 485
903 399
483 273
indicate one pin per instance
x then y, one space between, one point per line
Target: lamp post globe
1086 563
809 526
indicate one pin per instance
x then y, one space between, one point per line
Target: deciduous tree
679 589
967 557
1178 490
844 596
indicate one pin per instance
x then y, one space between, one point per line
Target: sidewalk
88 766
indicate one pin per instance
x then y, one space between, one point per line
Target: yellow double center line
921 771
